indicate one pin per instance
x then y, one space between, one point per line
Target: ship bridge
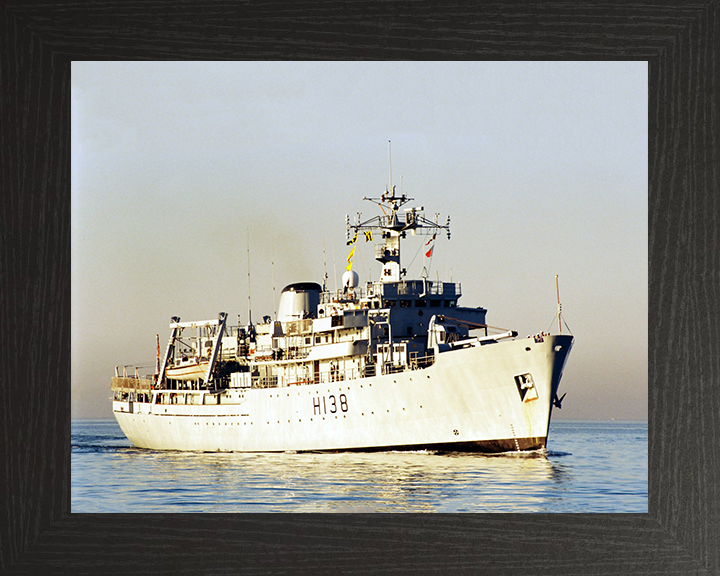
442 293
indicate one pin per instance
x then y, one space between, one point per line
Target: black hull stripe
484 446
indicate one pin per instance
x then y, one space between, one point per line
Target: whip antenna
248 274
390 165
325 277
557 293
272 265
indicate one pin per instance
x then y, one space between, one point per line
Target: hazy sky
542 167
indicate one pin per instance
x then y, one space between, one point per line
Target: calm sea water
588 467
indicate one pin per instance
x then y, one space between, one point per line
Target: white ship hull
468 400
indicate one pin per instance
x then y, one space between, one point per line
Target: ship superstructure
396 364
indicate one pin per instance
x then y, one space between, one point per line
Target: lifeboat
190 369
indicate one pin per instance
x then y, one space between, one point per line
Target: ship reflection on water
349 482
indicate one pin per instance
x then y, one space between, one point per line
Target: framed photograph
48 530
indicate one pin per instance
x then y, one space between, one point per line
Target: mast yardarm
394 225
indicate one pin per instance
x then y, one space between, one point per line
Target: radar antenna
393 226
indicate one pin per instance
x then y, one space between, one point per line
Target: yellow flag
349 259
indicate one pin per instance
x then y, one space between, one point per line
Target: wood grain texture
38 534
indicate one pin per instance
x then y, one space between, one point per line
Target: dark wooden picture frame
679 535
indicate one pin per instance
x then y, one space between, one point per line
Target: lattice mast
393 225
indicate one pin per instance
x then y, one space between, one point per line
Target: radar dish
350 279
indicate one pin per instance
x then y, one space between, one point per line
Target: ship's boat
189 369
396 364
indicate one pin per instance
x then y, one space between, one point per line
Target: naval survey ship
396 364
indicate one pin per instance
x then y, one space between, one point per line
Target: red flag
430 243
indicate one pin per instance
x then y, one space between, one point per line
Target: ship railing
275 354
297 352
324 377
266 382
340 296
339 375
132 389
415 363
131 384
419 362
